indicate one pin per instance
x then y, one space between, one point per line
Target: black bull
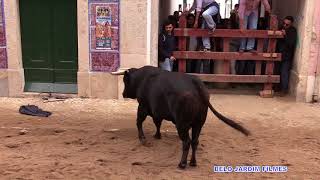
180 98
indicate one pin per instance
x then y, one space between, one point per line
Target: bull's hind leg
157 122
184 136
141 116
194 144
196 129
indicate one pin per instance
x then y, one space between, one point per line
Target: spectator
234 17
248 14
173 20
167 44
208 8
286 46
176 16
192 44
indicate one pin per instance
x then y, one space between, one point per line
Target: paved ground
97 139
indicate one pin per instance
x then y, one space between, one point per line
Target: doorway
49 45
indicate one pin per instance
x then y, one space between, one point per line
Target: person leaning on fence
209 8
287 47
248 14
167 44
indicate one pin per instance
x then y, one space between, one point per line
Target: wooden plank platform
238 78
228 33
227 56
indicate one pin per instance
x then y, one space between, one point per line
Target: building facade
72 46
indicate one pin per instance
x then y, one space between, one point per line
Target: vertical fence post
226 48
268 90
260 50
182 43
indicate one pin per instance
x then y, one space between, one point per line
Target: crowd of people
205 14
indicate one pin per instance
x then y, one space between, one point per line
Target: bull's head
130 88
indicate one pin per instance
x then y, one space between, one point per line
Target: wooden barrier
270 57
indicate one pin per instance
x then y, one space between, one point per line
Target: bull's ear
126 76
131 70
127 72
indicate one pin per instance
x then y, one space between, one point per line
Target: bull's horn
120 71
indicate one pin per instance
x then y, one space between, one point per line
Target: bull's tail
229 121
206 99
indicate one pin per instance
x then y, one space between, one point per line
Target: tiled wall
104 35
3 48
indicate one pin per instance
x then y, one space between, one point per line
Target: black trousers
245 67
285 67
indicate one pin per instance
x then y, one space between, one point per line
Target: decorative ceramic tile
3 46
1 10
2 37
3 58
105 62
104 35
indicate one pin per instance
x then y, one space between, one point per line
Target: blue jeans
167 64
208 23
250 22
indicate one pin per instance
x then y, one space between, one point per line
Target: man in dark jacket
287 47
167 44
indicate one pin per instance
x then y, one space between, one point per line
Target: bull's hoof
157 136
193 163
143 140
182 165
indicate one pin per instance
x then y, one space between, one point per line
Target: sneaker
253 51
212 30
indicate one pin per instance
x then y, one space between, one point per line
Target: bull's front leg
141 116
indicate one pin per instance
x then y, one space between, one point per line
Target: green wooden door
49 45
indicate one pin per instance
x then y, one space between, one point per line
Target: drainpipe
312 93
